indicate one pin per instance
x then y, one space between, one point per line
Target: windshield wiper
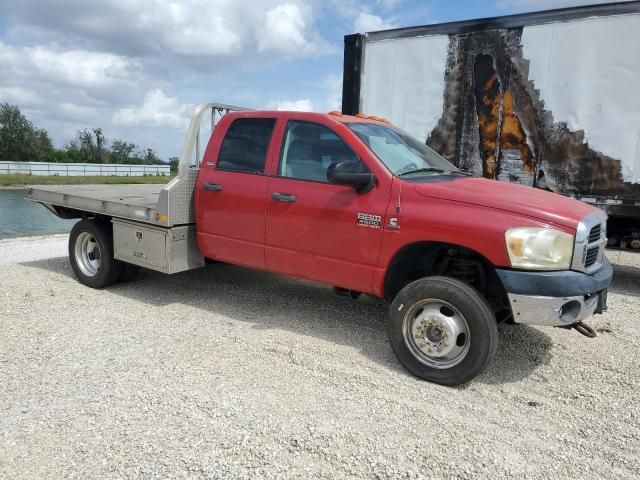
421 170
459 172
436 170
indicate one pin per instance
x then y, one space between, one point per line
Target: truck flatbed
133 202
165 206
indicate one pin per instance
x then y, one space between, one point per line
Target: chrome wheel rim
436 333
88 254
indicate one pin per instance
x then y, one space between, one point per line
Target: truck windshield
402 154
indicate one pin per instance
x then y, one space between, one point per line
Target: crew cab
358 204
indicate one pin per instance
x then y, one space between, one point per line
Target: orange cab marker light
335 113
361 115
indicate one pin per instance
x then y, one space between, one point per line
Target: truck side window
308 151
244 148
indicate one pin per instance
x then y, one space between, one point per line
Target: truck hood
509 197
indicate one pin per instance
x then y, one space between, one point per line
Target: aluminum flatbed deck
132 202
168 206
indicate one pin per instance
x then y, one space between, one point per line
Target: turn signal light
375 118
372 117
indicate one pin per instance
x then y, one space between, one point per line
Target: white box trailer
548 99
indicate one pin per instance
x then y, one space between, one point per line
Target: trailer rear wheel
91 254
442 330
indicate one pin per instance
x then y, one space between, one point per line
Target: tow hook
582 328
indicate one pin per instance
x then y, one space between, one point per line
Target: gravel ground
29 249
230 373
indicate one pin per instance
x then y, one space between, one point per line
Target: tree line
21 141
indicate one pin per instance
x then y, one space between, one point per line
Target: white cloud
367 22
19 95
77 68
157 110
284 30
81 68
333 85
132 68
350 9
193 33
76 111
185 30
303 105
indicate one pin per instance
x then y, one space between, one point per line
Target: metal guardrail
82 169
190 159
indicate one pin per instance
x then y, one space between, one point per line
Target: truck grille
592 256
588 254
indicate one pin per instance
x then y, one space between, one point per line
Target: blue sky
136 68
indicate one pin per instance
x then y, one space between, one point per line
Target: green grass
18 180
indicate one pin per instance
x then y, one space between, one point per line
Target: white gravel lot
29 249
230 373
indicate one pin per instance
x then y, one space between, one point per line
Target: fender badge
393 223
369 220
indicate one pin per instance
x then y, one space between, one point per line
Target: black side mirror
351 174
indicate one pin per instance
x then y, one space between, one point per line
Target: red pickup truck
356 203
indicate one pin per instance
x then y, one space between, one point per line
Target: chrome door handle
212 187
283 197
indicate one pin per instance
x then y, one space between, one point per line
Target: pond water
20 217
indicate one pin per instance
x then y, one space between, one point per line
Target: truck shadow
270 301
626 272
626 280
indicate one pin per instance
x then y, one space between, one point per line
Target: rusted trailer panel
548 99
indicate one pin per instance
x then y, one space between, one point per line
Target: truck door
317 230
232 193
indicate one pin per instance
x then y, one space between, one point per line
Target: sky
137 68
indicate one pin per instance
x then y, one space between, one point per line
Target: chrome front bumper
556 298
552 311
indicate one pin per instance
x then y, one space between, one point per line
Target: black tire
476 314
88 271
129 273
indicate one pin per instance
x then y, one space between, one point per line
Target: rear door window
244 148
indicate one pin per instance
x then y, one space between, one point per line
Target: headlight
539 248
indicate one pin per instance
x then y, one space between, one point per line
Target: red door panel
314 232
231 226
318 236
232 191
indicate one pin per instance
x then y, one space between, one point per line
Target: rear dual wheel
442 330
91 255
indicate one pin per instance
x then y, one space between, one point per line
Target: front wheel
442 330
91 254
